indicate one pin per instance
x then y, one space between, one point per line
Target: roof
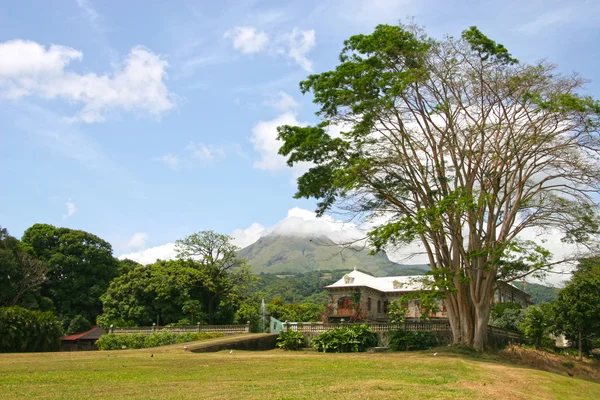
392 284
91 334
383 284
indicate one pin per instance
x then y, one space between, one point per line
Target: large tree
80 267
21 274
225 277
456 144
153 293
577 309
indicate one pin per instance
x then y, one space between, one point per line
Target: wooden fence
147 330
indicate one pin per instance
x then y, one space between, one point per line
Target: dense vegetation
346 339
23 330
142 341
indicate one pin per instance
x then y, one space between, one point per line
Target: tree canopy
578 305
455 144
80 267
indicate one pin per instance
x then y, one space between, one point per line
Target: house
82 341
376 293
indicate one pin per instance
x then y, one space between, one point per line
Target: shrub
405 340
352 338
291 340
23 330
142 341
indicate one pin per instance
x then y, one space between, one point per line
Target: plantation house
376 293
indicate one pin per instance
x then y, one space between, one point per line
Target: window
348 279
368 304
385 307
378 306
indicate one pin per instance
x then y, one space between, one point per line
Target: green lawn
172 373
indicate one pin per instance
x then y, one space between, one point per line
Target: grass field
172 373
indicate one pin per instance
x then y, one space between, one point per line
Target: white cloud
205 152
284 102
138 241
304 223
150 255
295 44
245 237
170 160
71 209
89 12
298 44
248 39
264 138
29 69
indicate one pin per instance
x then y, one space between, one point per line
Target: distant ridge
278 254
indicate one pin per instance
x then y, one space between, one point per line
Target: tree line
73 275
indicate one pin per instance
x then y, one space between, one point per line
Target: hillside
539 293
293 255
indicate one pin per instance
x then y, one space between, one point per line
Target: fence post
286 326
198 327
111 329
154 327
247 326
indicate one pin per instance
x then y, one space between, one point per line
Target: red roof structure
93 334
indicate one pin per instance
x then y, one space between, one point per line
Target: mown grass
172 373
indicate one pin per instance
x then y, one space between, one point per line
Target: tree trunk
482 316
580 345
460 315
211 310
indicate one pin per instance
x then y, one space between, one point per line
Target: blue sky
142 122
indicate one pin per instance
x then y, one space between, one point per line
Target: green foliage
538 324
345 339
578 305
305 312
23 330
21 275
80 267
397 311
402 340
78 324
487 48
225 277
147 292
142 341
291 340
507 316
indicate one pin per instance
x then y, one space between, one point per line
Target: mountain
293 255
539 293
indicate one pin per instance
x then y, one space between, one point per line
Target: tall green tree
456 145
156 293
21 275
80 267
225 277
578 306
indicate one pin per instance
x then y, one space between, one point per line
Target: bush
353 338
405 340
23 330
142 341
290 340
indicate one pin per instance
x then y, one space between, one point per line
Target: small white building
376 293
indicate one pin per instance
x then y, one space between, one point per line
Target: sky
143 122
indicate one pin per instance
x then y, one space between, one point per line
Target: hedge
23 330
142 341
